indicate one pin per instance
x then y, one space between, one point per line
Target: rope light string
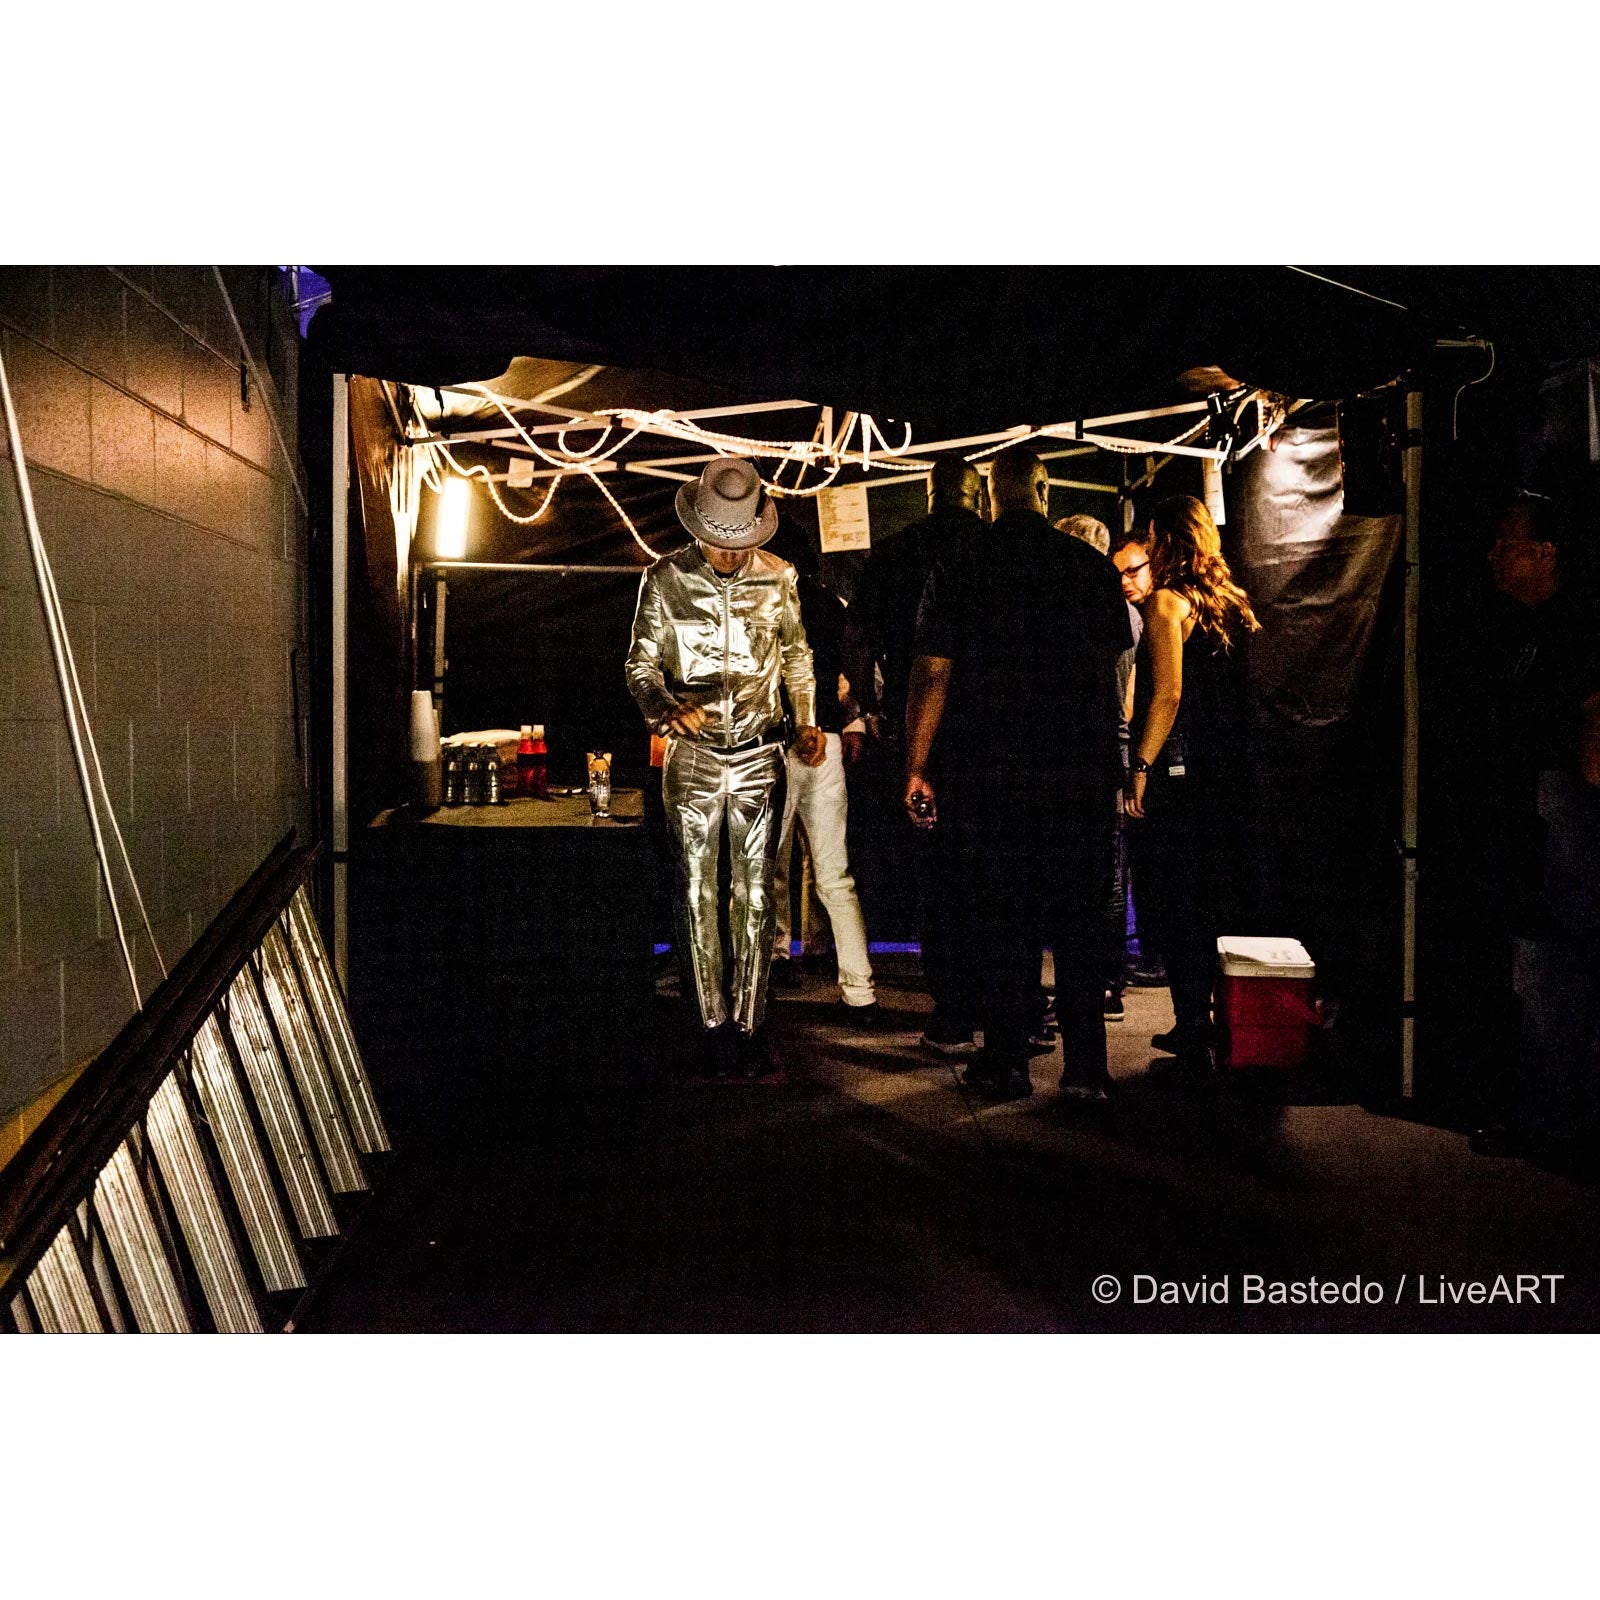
579 455
562 456
793 456
568 469
807 452
627 521
477 470
902 466
405 499
828 455
1118 447
778 491
1018 436
565 459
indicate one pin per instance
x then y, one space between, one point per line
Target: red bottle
533 763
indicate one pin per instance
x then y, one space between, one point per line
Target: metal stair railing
199 1174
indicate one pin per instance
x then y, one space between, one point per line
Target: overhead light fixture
450 527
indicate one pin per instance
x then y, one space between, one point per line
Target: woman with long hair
1185 785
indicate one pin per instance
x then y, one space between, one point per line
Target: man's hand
811 745
685 718
1133 795
920 804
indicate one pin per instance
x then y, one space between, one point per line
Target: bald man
1016 670
884 621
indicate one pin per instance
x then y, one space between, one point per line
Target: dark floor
868 1192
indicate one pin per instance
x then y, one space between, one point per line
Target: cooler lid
1244 957
484 736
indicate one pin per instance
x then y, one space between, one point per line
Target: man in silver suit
716 633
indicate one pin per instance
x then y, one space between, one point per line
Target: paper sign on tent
842 516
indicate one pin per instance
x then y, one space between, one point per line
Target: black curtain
1324 683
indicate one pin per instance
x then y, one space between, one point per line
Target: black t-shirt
1541 663
891 591
1033 622
823 614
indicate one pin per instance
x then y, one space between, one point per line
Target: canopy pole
341 652
441 598
1412 466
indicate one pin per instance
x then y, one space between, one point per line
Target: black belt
735 749
749 744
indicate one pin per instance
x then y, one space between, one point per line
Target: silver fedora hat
727 507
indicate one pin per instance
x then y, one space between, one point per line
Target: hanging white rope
567 461
1137 447
830 455
562 456
1020 436
405 499
806 452
73 705
627 521
99 772
435 480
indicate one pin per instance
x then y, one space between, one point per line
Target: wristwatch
1140 764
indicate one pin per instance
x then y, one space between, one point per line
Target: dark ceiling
954 349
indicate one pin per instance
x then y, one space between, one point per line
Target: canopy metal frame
1080 436
825 443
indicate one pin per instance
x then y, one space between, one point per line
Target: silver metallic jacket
723 644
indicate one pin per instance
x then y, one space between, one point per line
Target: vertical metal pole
414 607
341 650
441 595
1408 804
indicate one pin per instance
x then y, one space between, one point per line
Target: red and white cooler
1266 1002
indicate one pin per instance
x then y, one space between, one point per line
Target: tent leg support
1408 804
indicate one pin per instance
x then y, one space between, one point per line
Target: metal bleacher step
192 1185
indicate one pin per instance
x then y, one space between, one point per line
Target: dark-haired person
1185 780
1131 557
1015 671
1097 535
1534 779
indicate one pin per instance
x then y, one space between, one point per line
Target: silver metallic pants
700 788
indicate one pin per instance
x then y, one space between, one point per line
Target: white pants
817 795
814 932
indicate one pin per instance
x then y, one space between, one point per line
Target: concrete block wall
179 553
